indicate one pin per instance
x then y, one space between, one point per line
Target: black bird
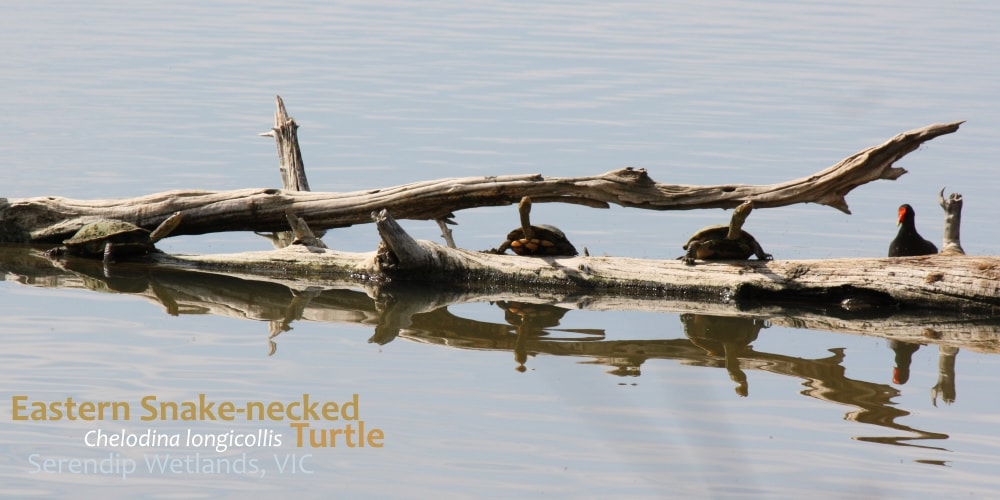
908 242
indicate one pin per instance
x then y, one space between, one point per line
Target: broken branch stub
399 253
285 134
293 178
951 244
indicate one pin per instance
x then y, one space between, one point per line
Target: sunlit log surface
944 282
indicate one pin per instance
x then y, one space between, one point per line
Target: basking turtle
725 242
536 240
114 238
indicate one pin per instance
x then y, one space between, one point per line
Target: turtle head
740 215
743 210
166 227
525 205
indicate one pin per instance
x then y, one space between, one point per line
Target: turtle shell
712 243
91 239
715 242
547 240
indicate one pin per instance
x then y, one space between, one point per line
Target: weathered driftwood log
871 282
943 282
52 219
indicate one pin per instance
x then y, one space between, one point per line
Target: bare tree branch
52 219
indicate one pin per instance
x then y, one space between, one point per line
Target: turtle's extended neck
525 210
740 215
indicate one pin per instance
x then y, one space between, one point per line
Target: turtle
725 242
536 240
110 238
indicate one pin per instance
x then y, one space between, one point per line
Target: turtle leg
692 252
760 253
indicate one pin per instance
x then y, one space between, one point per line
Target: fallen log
906 299
967 283
52 219
942 282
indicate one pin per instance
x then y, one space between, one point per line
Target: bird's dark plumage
908 241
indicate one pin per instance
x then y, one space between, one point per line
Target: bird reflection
727 336
904 356
409 312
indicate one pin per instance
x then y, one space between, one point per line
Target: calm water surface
114 99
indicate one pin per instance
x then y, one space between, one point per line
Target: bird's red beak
902 212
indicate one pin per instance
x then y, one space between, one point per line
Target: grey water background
117 99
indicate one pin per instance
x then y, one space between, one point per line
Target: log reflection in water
945 386
530 325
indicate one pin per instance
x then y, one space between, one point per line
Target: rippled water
116 100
